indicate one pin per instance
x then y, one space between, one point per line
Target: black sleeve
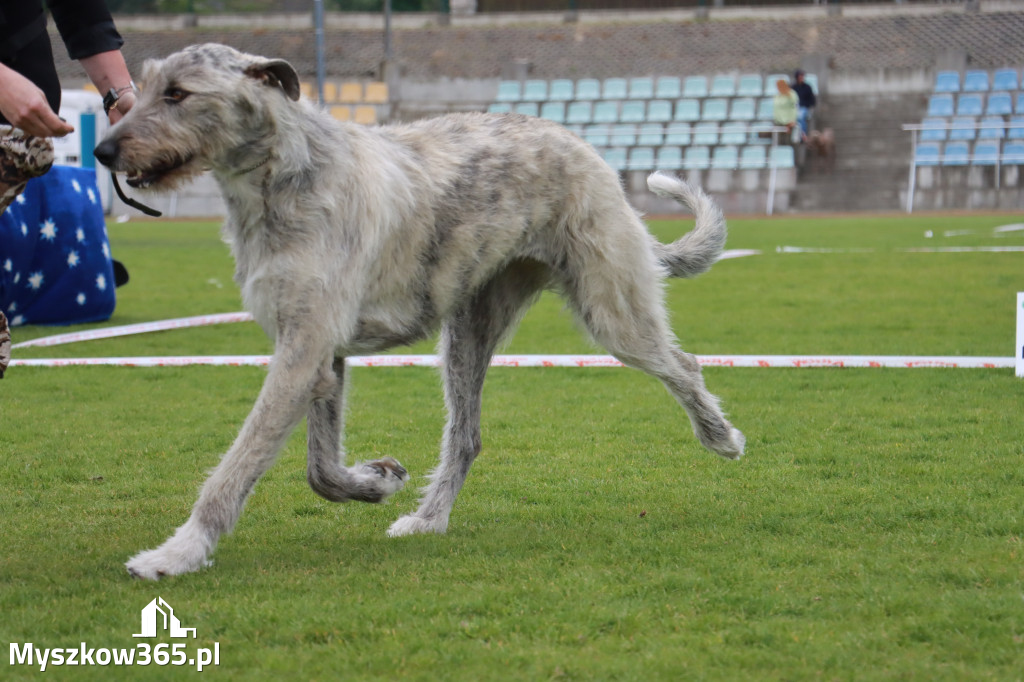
85 26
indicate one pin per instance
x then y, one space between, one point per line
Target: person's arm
108 71
25 106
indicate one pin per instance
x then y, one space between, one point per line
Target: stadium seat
588 89
615 157
365 114
606 112
947 81
341 112
669 158
597 134
687 110
723 86
934 129
1018 107
668 87
760 132
986 153
695 86
927 154
499 108
976 81
535 91
650 135
725 156
753 156
750 86
766 109
770 87
527 108
1013 153
641 158
956 154
678 133
940 105
377 93
623 135
350 92
659 111
553 111
509 91
614 88
999 104
963 128
743 109
992 128
716 109
561 90
734 133
641 88
705 133
633 112
579 113
1005 79
697 158
1015 131
783 157
969 104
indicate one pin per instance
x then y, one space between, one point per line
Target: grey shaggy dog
352 239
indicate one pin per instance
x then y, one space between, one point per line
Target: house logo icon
158 615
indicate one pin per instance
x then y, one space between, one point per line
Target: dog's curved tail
696 251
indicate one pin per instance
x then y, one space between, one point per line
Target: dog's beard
163 175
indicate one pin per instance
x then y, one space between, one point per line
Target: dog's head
208 106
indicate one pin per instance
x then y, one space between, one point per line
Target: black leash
131 202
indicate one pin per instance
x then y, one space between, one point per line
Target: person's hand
125 101
25 106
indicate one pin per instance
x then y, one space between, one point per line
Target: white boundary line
768 361
142 328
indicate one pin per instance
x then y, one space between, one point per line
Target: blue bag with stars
55 264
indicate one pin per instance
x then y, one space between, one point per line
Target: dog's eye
175 95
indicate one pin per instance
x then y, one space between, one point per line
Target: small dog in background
351 239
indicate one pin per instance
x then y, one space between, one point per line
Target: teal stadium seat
940 105
695 86
705 133
527 108
1018 107
614 88
687 110
561 90
716 109
770 87
678 133
999 104
947 81
734 133
615 157
765 109
956 154
1015 131
783 157
963 128
969 104
723 86
1013 153
650 135
976 81
553 111
598 135
535 91
750 85
992 128
623 135
668 87
579 113
725 156
1005 79
509 91
753 157
933 129
606 112
659 111
743 109
927 154
669 158
499 108
986 153
588 89
641 88
697 158
633 112
641 158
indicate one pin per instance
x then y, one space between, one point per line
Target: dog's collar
250 169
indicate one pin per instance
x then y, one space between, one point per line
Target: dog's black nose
106 152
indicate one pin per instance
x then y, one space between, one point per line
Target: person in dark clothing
806 102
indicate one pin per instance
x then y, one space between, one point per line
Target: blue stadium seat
687 110
669 158
770 87
963 128
760 132
993 128
697 158
734 133
633 111
927 154
659 111
947 81
999 104
725 156
678 133
783 157
753 156
641 158
641 88
535 91
723 86
509 91
527 108
615 157
1018 107
940 105
1015 131
580 113
614 88
750 86
499 108
668 87
561 90
766 109
705 133
1005 79
650 135
695 86
588 89
597 134
986 153
1013 153
976 81
934 129
716 109
956 154
553 111
743 109
623 135
606 112
969 104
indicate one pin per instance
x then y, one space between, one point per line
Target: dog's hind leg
468 341
326 472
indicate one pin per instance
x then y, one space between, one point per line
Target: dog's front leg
285 397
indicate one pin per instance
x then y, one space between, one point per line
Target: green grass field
875 529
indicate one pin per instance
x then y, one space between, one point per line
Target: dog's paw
733 448
410 525
154 564
386 476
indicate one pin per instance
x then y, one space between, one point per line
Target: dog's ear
277 73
